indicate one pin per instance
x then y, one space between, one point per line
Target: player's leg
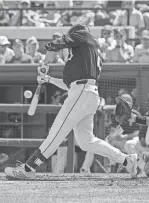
133 146
87 163
75 107
88 142
88 160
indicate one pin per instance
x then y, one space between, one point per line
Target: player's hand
43 70
43 79
50 46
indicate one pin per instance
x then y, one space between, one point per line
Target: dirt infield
75 188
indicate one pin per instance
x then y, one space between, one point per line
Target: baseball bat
33 106
34 102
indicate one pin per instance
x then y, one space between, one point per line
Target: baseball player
137 144
128 146
80 76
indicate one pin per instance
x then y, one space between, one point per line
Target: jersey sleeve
75 39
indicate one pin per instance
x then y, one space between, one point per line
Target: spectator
78 16
3 158
29 17
146 20
107 40
122 91
135 17
51 17
55 99
58 57
141 54
4 16
32 46
109 100
101 16
121 52
6 53
20 56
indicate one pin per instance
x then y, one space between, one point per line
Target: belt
78 82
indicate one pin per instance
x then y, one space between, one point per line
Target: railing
46 33
115 75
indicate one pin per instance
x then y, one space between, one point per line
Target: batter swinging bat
34 102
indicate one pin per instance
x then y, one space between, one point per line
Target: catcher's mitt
123 110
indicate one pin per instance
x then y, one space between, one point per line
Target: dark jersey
84 61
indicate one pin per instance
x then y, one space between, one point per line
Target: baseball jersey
84 60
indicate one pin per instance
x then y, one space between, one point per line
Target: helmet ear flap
78 27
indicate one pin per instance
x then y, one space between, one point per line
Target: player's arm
130 136
58 82
55 81
142 120
44 78
74 39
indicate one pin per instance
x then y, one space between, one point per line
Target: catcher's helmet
128 99
78 27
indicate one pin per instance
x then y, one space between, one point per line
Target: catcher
136 142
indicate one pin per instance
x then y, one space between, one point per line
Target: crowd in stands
98 14
114 43
114 48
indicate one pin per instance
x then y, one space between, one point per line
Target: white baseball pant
77 113
88 161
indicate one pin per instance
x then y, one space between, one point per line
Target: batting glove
43 79
43 70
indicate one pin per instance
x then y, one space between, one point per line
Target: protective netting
10 125
109 89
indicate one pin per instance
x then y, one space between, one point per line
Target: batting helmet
78 27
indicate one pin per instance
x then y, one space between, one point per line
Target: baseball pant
88 161
77 113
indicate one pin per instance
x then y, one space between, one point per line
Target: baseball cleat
19 172
132 165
